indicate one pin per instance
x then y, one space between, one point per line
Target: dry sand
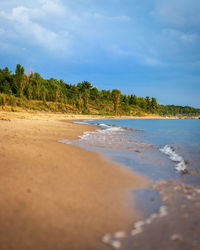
57 196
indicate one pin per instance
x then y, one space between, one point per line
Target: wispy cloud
78 31
55 7
184 37
22 24
142 56
56 26
112 18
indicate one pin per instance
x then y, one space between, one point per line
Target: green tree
94 94
43 94
37 79
148 103
6 81
29 87
84 88
141 102
116 94
105 96
19 80
124 99
133 100
154 104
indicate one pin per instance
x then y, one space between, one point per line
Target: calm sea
159 149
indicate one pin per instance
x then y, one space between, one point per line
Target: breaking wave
108 136
105 136
180 162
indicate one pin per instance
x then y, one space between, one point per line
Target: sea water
158 149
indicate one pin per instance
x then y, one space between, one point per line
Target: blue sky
149 47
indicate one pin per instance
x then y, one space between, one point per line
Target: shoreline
6 115
175 224
58 196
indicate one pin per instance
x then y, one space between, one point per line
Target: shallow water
147 202
158 149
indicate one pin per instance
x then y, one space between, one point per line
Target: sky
148 48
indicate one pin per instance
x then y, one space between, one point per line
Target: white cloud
83 30
57 26
54 7
22 26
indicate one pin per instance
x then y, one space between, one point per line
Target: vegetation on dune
31 92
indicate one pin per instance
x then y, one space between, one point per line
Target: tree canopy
82 97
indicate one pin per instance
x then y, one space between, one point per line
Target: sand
176 225
57 196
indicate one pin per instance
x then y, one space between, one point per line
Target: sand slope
56 196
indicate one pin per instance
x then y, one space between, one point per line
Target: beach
58 196
62 196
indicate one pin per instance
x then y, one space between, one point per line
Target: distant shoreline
30 91
52 115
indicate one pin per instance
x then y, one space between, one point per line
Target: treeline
30 90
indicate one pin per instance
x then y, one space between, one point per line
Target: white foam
81 122
85 135
106 136
65 141
107 130
180 166
114 129
104 125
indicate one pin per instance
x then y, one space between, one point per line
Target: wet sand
176 226
56 196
